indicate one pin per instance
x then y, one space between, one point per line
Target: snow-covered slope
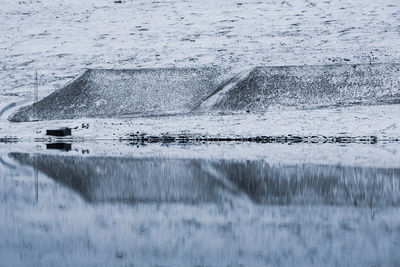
308 86
60 37
110 93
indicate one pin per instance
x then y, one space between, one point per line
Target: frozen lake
232 204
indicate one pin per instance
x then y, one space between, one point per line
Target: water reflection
59 146
162 180
200 206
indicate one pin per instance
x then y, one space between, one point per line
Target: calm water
200 205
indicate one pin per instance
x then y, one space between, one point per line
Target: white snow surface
59 38
381 121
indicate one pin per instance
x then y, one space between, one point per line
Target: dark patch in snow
136 138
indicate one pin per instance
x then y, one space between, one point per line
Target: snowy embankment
136 92
162 91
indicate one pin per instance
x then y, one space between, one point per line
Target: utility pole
36 94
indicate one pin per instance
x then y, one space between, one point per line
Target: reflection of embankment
311 183
191 181
129 179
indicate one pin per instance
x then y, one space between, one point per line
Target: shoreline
334 124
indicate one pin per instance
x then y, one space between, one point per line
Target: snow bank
308 86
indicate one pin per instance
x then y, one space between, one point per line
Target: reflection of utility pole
37 185
36 174
36 94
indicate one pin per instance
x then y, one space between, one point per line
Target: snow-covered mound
307 86
111 93
107 93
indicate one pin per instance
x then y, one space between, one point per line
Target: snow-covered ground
381 121
59 38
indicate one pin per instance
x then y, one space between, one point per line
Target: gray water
200 205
